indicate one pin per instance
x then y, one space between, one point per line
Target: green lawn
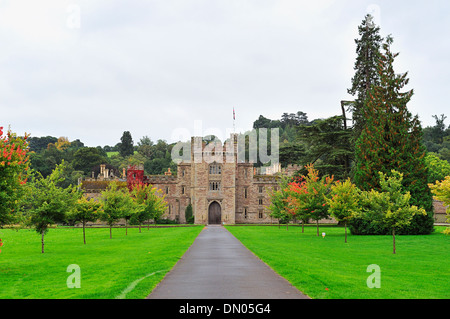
329 268
124 266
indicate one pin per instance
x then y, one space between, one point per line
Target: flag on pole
234 117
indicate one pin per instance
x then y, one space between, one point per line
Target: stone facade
440 210
209 177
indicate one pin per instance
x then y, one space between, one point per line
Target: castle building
220 189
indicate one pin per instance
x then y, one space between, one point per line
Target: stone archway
214 213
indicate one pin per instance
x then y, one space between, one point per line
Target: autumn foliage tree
307 196
13 173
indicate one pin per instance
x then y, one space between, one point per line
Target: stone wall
440 215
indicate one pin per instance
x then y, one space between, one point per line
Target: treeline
80 161
327 143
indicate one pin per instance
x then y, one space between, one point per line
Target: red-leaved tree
13 173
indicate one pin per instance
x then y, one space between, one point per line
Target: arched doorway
214 213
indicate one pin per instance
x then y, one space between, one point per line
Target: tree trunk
84 234
110 231
126 228
393 238
42 241
317 222
303 226
345 225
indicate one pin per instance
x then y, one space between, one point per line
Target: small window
260 201
260 214
245 192
182 173
214 186
167 189
245 213
215 169
183 190
261 189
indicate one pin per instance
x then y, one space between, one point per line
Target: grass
112 153
126 266
328 268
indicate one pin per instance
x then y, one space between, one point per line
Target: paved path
218 266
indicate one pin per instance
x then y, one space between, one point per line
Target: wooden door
214 213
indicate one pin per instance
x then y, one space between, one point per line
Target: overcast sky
92 69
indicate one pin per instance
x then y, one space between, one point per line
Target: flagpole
234 122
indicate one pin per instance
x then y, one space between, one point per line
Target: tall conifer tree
367 51
392 139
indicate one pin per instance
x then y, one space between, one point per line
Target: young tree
310 195
126 145
391 139
85 210
13 173
318 189
139 195
366 75
151 203
116 202
278 202
128 214
46 202
343 202
399 211
297 194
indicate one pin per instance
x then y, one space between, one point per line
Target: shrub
381 212
189 215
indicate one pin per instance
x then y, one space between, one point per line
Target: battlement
291 169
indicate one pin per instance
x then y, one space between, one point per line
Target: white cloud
153 66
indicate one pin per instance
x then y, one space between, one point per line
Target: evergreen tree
366 75
391 139
126 146
328 146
